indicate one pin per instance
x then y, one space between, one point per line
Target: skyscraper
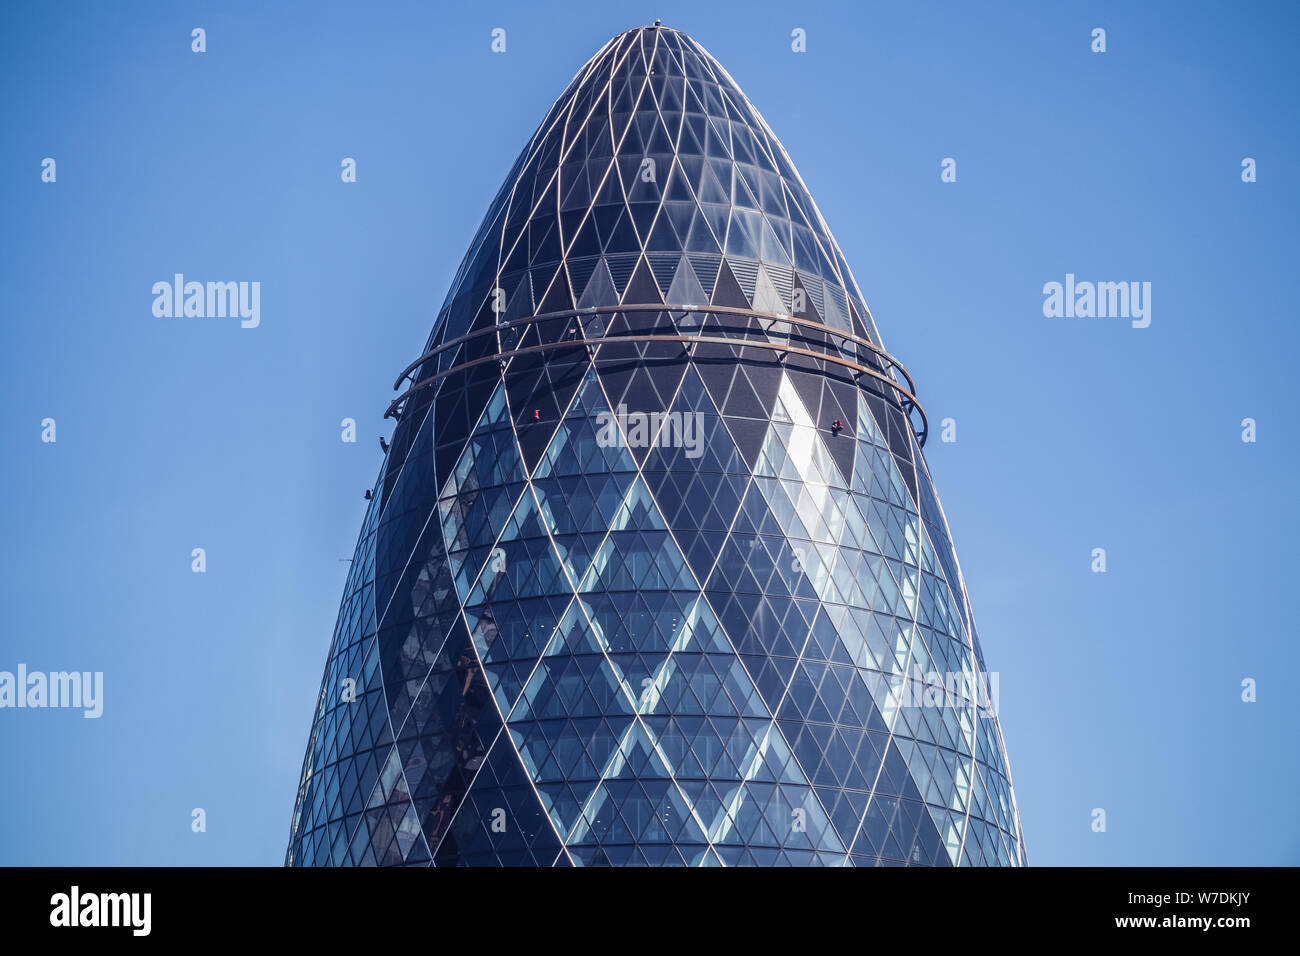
654 571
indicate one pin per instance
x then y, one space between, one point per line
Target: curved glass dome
654 551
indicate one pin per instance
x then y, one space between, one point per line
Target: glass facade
654 553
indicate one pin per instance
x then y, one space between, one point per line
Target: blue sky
1118 690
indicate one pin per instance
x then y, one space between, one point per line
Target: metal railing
575 336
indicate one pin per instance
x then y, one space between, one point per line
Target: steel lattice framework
571 651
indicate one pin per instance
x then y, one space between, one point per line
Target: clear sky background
1119 690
